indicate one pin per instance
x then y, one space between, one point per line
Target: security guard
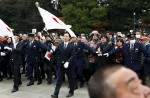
64 64
33 58
79 58
132 54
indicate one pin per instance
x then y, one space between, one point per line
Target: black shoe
49 82
4 76
75 87
82 84
35 79
43 77
70 94
20 83
15 89
39 82
1 79
10 77
26 75
30 83
54 96
23 72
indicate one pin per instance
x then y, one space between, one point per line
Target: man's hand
8 48
106 54
99 53
66 65
3 54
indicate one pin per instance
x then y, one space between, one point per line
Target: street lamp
134 21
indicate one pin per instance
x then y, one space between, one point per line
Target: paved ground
37 91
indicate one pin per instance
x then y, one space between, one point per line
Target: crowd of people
78 57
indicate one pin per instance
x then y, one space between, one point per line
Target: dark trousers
35 67
41 64
48 70
0 69
60 73
79 69
4 67
9 69
17 75
92 68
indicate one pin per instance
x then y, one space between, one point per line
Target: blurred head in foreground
116 82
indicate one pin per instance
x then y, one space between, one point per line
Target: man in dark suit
66 54
33 58
16 62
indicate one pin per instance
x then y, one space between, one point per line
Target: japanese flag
52 22
5 30
48 55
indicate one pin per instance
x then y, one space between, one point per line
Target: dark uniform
33 59
132 55
146 67
1 51
79 59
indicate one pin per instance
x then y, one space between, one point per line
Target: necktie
75 44
30 44
132 46
65 45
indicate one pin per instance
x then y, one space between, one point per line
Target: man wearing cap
132 54
33 58
79 58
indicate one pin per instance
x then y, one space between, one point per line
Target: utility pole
134 22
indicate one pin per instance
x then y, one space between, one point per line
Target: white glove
51 51
8 48
106 54
3 54
100 54
66 65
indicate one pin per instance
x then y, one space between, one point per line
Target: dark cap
31 34
131 36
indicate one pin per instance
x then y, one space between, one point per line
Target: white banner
6 31
52 22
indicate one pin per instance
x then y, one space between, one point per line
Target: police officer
33 58
132 54
79 59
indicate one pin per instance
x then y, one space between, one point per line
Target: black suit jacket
65 54
16 55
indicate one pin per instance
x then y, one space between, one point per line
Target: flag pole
37 4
